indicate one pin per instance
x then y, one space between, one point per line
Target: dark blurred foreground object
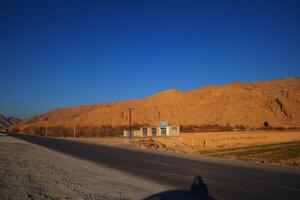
198 191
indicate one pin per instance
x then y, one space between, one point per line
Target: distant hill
6 122
247 104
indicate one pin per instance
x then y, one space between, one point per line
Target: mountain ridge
237 103
6 122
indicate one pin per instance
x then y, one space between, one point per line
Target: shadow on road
231 182
198 191
160 168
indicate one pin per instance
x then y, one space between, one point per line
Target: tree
266 124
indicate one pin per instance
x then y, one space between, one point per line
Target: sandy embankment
28 171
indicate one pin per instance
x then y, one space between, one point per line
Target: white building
154 131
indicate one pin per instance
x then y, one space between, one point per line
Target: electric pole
130 109
75 117
74 133
46 127
131 129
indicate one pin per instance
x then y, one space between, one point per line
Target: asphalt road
223 181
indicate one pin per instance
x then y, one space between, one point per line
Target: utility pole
131 129
130 109
74 133
46 127
75 117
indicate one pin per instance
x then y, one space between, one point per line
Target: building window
144 131
163 131
154 131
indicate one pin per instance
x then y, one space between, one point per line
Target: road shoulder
29 171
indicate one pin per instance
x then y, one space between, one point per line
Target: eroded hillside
6 122
247 104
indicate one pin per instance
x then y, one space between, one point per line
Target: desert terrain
234 105
276 147
29 171
6 122
57 168
249 121
150 100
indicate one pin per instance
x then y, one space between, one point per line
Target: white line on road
155 162
289 188
147 161
167 174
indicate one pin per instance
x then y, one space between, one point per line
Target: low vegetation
103 131
281 147
227 128
209 128
59 131
282 153
109 131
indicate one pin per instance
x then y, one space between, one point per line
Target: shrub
35 130
205 128
266 124
241 127
280 128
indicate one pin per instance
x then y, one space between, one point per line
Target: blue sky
69 53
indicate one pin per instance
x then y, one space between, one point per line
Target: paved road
223 181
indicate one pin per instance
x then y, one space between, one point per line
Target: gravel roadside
28 171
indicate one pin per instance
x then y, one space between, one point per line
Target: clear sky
66 53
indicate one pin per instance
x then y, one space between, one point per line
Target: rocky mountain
247 104
6 122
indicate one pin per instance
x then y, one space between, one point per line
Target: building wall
174 131
136 133
149 131
169 131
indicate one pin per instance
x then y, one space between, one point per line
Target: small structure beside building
154 131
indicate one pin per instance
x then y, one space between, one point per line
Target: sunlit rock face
247 104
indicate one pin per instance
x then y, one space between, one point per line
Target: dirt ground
215 143
280 153
28 171
193 142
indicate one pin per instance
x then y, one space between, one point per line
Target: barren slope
6 122
277 102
